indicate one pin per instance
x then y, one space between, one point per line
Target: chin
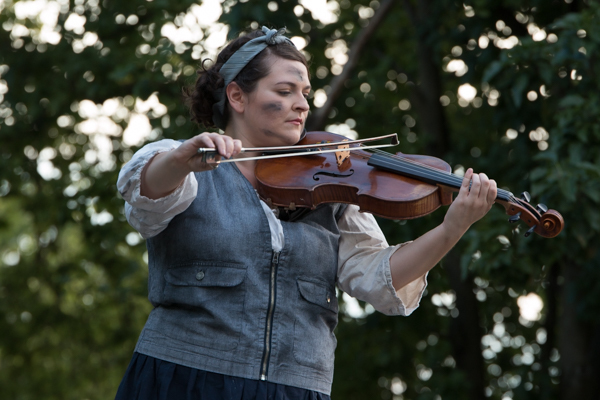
295 138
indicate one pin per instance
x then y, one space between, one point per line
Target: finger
484 185
195 142
475 186
231 146
492 192
208 140
464 187
237 147
227 147
200 141
219 144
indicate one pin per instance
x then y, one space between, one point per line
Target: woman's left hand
471 204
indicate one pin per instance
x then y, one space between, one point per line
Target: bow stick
209 153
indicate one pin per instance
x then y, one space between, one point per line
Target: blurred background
508 87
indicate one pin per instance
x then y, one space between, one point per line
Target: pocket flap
318 293
207 275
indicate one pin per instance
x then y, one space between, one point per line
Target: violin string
417 164
438 176
435 174
420 169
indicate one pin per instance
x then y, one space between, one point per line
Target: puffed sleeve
364 266
148 216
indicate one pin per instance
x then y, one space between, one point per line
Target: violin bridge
342 155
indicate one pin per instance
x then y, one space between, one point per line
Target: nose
301 104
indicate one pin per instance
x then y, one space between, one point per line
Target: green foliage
73 273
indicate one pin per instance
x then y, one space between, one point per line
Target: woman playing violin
244 295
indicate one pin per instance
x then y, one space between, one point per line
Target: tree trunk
465 330
428 90
465 333
553 293
578 343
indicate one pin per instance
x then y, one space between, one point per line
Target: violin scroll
551 224
546 223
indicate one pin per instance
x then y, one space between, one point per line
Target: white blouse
363 254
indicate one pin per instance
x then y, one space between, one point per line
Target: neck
247 169
237 130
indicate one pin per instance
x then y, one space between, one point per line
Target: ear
236 96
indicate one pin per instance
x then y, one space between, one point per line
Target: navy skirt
148 378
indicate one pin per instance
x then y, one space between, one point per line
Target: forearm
162 175
166 171
415 259
475 198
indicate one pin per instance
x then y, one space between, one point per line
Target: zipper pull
275 259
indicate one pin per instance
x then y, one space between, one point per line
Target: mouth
297 121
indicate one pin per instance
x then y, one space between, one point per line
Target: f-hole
333 174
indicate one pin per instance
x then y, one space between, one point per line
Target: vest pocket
314 340
212 295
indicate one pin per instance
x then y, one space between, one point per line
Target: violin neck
423 172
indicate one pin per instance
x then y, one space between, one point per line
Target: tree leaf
492 70
518 88
568 188
572 100
538 173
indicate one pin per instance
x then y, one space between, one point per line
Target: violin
399 186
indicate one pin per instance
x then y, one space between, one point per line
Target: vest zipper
270 313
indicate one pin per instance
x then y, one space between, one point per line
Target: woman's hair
201 97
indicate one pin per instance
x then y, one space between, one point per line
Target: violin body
397 186
315 179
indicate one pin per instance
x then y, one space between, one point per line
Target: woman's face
275 112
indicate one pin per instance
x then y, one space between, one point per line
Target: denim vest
226 303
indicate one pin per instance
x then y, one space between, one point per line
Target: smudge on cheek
269 133
271 111
272 108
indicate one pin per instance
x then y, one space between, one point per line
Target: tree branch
410 10
428 89
317 119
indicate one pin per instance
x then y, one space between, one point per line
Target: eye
285 92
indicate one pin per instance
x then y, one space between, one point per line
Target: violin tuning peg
542 208
530 231
514 218
525 196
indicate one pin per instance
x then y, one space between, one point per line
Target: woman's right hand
166 171
187 153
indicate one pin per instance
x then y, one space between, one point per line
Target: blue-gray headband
238 61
